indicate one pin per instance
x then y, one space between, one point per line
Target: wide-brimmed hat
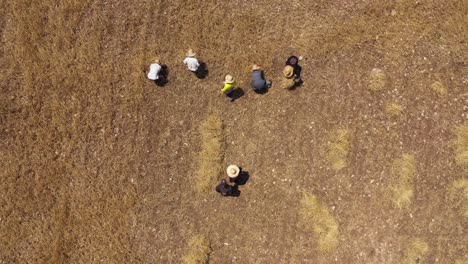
190 53
229 78
256 67
233 171
288 71
156 60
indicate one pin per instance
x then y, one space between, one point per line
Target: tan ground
98 164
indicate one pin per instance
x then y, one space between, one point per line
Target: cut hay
461 146
404 170
338 148
416 251
377 80
439 88
461 261
211 154
199 250
393 109
458 196
316 217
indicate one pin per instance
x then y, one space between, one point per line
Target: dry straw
439 88
461 146
377 80
393 109
416 251
316 217
404 170
211 154
199 250
338 148
458 196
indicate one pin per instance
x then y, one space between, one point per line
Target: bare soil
98 163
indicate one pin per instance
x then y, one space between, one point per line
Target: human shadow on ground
163 76
202 71
236 94
235 191
243 178
296 84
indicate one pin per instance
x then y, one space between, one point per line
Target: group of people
235 177
291 75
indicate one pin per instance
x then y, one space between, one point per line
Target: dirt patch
98 164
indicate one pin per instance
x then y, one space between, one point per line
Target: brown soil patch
98 163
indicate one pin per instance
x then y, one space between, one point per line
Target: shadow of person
235 191
243 178
202 71
163 76
264 90
236 94
296 84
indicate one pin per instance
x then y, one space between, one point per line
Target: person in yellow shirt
228 88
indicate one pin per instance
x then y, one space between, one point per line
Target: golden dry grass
461 261
403 170
439 88
198 250
211 154
393 109
416 251
461 146
316 217
339 145
377 80
458 196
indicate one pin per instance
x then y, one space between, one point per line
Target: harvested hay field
100 165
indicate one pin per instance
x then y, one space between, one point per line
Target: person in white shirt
155 68
191 62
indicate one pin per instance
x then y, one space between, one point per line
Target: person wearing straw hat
191 62
291 80
259 84
228 88
293 61
232 172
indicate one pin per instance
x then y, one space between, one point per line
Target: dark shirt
224 188
258 81
293 61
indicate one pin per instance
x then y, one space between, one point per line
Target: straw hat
156 60
255 67
229 79
232 171
190 53
288 71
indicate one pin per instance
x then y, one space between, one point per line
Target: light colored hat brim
288 71
256 67
191 54
232 171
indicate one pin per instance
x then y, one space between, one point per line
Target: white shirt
192 63
153 72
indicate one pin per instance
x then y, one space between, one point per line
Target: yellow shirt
228 87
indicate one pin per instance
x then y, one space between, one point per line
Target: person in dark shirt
293 61
224 188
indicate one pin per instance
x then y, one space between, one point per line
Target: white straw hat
190 53
228 78
232 171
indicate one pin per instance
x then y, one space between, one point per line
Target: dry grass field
366 162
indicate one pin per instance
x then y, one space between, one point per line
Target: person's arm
185 61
